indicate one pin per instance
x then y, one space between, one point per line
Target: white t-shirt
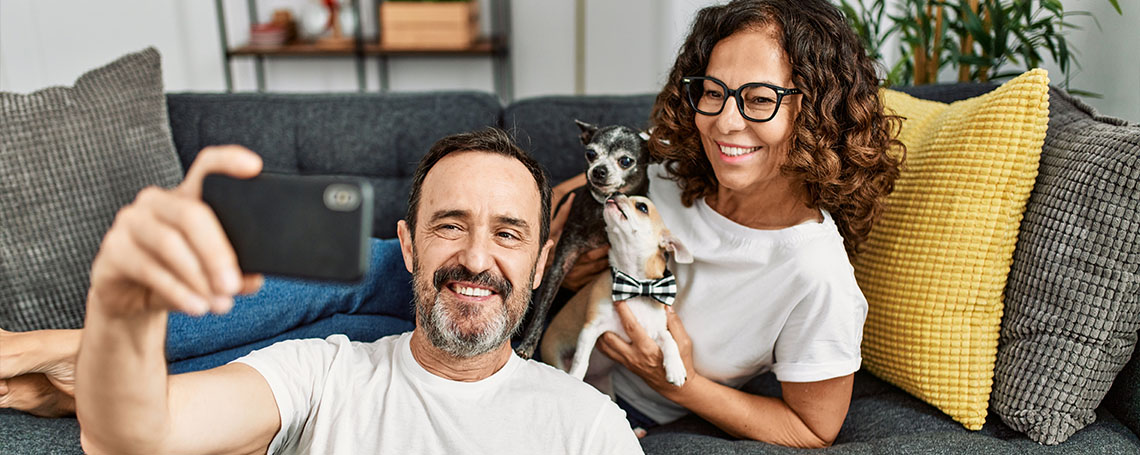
755 301
341 396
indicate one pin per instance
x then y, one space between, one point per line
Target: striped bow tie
664 289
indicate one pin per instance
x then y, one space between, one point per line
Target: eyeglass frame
781 92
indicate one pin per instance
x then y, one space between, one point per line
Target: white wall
630 45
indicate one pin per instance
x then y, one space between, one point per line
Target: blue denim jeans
380 305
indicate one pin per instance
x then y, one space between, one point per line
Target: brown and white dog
639 243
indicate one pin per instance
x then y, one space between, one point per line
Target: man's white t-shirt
341 396
755 301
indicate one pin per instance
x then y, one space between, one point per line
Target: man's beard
450 328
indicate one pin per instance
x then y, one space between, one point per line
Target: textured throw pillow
935 264
1072 305
70 157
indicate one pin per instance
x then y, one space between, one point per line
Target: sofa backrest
544 126
380 137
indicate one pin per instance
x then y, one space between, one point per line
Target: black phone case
287 224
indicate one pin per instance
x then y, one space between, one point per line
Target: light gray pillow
1072 302
70 157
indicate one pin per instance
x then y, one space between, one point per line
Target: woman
775 158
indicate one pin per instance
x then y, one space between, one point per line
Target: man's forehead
478 182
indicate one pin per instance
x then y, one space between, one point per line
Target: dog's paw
675 376
578 371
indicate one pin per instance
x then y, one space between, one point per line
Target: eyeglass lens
709 97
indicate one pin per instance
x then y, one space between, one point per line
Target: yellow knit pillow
934 266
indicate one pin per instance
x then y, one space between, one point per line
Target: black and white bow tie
663 289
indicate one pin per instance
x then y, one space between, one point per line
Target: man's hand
167 250
642 356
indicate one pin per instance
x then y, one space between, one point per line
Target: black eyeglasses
757 101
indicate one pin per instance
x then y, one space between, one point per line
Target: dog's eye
625 161
591 155
641 207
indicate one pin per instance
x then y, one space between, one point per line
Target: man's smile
470 291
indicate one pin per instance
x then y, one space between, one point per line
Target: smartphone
312 227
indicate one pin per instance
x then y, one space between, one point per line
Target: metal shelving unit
496 47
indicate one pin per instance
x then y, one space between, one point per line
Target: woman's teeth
737 151
472 292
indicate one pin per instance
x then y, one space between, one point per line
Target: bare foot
50 352
35 394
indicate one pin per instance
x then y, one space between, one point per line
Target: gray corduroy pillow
70 157
1072 302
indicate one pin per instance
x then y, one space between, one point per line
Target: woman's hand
642 356
590 263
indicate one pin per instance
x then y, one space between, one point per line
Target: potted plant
428 24
983 39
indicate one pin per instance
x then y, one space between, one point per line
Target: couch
381 136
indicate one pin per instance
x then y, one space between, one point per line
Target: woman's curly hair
843 146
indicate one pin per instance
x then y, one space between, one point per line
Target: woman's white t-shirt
755 301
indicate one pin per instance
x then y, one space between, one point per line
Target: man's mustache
485 279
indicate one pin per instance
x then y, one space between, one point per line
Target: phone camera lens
342 197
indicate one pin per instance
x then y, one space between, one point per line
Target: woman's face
746 156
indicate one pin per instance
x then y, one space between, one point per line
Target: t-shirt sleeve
611 433
820 339
296 371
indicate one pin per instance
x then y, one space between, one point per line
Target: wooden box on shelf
428 25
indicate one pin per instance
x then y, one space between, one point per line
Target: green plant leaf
973 25
1116 5
1084 93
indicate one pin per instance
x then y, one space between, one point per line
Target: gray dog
617 158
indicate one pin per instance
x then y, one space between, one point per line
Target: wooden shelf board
480 47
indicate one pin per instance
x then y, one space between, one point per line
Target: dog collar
663 289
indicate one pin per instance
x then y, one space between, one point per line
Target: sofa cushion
70 157
1124 397
884 419
544 126
1072 306
934 266
378 136
27 434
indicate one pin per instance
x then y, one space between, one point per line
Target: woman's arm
590 263
809 415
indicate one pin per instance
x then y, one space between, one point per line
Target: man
475 242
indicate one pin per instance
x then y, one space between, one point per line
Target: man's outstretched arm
167 252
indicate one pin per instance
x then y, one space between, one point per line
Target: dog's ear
588 131
674 246
644 135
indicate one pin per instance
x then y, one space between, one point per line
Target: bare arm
167 252
809 415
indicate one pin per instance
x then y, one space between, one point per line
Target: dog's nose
599 173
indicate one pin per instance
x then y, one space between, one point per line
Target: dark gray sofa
380 137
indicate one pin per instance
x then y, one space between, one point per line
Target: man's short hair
489 140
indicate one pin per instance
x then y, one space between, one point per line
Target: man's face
475 252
